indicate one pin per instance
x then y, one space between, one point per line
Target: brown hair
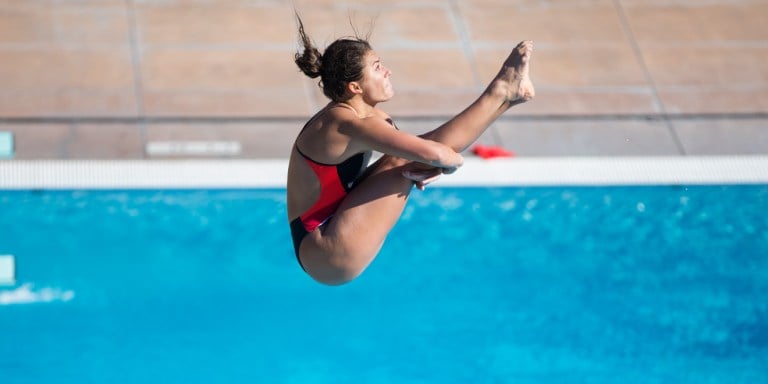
341 63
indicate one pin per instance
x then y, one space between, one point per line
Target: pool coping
270 173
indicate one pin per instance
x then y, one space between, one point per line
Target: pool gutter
270 173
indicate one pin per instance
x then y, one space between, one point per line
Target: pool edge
270 173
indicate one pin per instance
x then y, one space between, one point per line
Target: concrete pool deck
139 80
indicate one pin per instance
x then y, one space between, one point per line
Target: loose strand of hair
371 26
310 54
305 40
357 35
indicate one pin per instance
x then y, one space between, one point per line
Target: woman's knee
390 162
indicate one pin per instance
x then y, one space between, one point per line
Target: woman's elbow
443 156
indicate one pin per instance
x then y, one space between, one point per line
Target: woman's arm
377 134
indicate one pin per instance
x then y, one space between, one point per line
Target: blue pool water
475 285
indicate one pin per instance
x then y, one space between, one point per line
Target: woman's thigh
343 248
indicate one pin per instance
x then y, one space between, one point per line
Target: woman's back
323 161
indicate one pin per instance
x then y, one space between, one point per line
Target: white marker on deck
193 148
7 270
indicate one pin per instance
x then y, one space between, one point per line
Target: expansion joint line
647 74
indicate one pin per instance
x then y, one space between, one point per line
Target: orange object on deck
489 152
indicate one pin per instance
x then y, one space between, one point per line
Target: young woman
340 209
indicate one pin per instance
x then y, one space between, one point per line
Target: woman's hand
450 170
422 174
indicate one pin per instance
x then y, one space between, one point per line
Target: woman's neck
362 109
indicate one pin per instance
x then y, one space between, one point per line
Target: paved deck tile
723 136
105 141
39 141
588 138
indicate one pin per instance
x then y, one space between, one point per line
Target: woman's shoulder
381 114
377 118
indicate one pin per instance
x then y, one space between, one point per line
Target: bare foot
513 81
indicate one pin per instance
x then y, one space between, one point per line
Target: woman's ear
354 88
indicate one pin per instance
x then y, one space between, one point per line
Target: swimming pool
481 285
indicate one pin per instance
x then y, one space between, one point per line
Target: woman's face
375 83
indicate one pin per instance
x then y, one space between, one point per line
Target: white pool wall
266 173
